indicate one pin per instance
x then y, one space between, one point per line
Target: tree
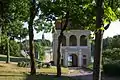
14 14
98 41
115 41
38 24
80 13
66 11
33 12
111 42
100 15
3 8
9 15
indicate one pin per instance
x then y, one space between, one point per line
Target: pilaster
66 58
80 58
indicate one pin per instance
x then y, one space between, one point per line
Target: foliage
111 55
40 50
111 49
112 69
78 11
3 44
116 41
111 42
44 42
14 46
107 43
13 17
81 12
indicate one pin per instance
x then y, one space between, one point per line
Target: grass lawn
12 72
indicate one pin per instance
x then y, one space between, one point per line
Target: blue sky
114 29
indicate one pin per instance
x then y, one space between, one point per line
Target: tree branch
107 26
66 22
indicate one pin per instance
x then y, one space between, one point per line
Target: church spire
43 37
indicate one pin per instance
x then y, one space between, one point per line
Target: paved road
80 75
87 75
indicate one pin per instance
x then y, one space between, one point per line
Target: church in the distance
75 48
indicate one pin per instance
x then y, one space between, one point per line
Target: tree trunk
98 42
31 46
31 38
59 56
33 11
8 52
59 43
1 26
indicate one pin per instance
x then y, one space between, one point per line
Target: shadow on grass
14 59
47 77
12 75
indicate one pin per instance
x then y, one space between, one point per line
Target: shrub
111 54
19 64
112 69
14 47
52 63
22 64
39 66
46 65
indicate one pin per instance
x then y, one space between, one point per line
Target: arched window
64 41
83 40
73 40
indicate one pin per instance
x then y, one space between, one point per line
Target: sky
114 29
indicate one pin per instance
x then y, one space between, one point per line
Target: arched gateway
75 44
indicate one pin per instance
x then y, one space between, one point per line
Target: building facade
75 48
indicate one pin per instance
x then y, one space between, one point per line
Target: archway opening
84 61
73 60
73 40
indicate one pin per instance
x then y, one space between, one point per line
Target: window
73 40
83 40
